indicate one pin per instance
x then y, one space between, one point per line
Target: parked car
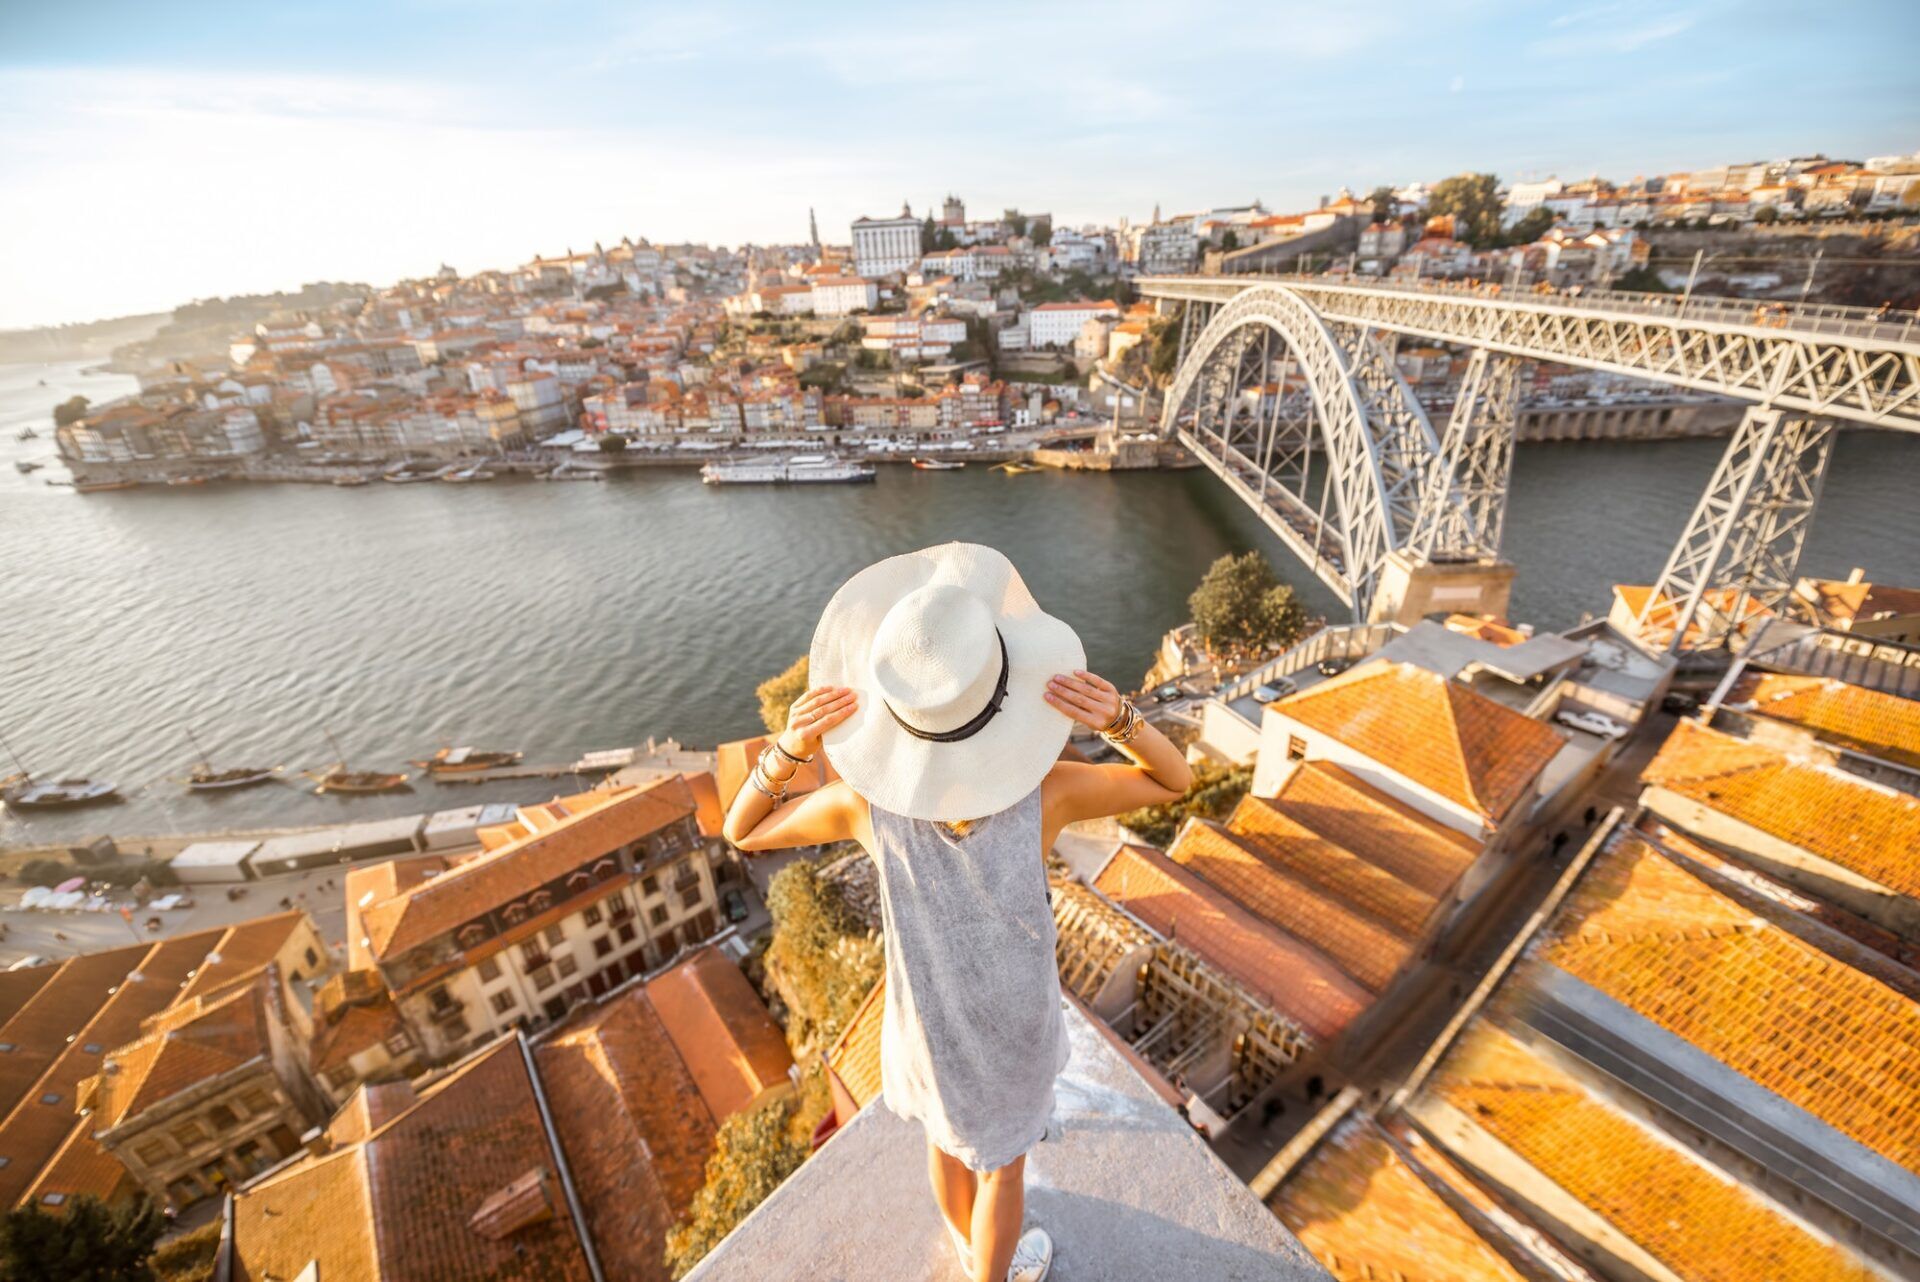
1680 705
1277 688
1333 667
29 962
1592 723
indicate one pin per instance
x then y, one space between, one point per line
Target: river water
558 619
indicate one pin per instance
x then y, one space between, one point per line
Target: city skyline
251 162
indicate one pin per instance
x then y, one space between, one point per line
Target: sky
155 153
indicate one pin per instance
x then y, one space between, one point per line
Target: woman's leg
998 1207
953 1189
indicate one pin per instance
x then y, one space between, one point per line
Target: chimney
317 1142
1858 575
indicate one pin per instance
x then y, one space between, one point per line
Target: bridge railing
1824 318
1342 641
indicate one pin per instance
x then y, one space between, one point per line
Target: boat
937 465
22 791
565 473
26 434
345 481
27 465
796 469
186 480
466 475
465 761
1015 469
99 487
407 473
342 778
206 779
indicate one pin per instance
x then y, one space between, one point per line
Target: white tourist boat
795 469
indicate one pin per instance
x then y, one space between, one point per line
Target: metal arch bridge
1276 370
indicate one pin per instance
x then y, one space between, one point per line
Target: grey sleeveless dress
973 1034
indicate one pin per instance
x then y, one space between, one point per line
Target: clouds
157 155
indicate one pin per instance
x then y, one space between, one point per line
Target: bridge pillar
1410 587
1738 557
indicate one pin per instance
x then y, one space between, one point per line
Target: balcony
1127 1190
443 1012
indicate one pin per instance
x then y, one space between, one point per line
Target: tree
1042 234
777 694
1242 608
754 1151
1536 223
1644 280
613 443
1215 791
1767 215
929 236
1384 202
1474 202
70 410
88 1242
1164 336
822 960
1230 242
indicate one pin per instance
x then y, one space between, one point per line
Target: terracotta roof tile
1861 826
1365 1214
855 1058
17 988
241 952
722 1030
353 1029
1365 949
634 1127
568 833
1298 982
1820 1034
82 1167
399 1204
190 1043
1690 1216
1839 603
1437 733
706 801
1850 716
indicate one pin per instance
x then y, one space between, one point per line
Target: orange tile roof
82 1167
1633 599
1437 733
17 988
398 1204
190 1043
736 762
1690 1216
722 1030
855 1058
1820 1034
569 832
634 1127
706 801
1299 983
68 997
351 1030
1365 1214
1861 826
241 951
1850 716
1839 603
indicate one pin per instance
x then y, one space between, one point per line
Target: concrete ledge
1127 1189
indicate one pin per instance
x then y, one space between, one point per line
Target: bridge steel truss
1738 556
1264 386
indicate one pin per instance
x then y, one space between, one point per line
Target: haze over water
558 619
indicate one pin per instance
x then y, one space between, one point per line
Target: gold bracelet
765 787
760 763
1133 723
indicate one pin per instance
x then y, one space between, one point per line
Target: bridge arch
1267 386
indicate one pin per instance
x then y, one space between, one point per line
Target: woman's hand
813 714
1090 700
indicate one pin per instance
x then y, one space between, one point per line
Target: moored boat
27 465
407 473
186 480
466 475
463 761
98 487
345 481
937 465
26 434
205 778
342 778
797 469
24 792
1015 469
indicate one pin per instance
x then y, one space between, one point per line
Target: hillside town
945 335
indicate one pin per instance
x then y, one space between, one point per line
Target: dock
658 754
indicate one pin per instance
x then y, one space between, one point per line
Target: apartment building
886 246
575 896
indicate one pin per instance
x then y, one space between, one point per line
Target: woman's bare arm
832 813
1076 790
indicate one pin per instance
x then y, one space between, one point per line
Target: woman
944 696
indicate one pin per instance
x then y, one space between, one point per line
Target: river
561 618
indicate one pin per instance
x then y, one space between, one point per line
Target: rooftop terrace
1126 1188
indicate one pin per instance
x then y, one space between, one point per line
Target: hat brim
974 777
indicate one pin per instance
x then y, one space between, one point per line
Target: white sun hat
950 656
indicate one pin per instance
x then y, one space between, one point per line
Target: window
400 1043
659 915
489 970
313 958
649 884
592 915
602 946
54 1199
222 1116
91 1048
152 1152
441 999
1296 748
555 935
690 898
51 1097
626 933
568 966
502 1001
543 978
188 1133
257 1101
533 954
340 1076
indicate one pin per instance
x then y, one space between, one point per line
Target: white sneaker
1032 1257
